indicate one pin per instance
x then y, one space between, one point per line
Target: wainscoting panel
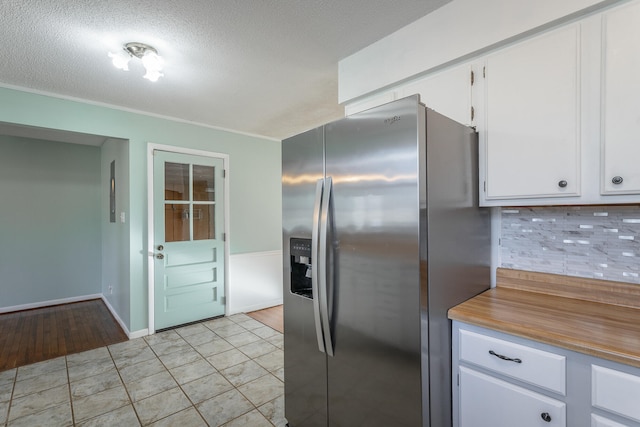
255 281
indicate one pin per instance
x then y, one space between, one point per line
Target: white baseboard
49 303
139 334
255 307
116 316
135 334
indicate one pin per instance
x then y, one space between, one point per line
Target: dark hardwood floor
32 336
45 333
270 317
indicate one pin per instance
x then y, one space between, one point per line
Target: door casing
151 147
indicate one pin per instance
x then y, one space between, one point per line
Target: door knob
546 417
562 184
617 180
160 256
160 247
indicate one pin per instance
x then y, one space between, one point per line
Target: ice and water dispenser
300 251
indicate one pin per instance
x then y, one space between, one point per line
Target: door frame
151 147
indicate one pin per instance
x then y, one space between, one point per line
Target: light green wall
50 243
255 200
115 235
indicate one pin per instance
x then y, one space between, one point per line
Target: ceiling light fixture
151 61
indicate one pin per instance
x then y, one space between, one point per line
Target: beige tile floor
223 372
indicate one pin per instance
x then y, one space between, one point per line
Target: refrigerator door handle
323 267
315 263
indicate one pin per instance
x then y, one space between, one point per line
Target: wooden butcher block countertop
596 317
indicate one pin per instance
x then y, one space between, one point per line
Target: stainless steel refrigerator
382 234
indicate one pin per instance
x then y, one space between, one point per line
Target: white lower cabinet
598 421
616 392
500 380
486 401
539 368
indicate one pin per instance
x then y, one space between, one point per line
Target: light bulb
153 64
120 60
153 75
152 61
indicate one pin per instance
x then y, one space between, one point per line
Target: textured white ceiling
266 67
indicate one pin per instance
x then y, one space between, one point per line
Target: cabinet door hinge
473 78
473 113
224 173
223 300
484 72
224 237
485 186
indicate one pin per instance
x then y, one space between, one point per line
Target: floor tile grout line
178 383
234 386
174 378
218 371
234 322
13 389
254 405
15 381
126 390
73 416
268 373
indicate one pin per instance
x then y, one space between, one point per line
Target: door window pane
204 222
176 181
203 183
176 222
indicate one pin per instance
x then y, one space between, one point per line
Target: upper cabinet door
621 102
532 140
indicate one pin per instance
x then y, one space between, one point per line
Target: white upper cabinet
532 118
620 161
557 113
564 108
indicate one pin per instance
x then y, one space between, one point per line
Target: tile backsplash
601 242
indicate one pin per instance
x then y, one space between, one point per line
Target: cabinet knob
562 184
617 180
545 416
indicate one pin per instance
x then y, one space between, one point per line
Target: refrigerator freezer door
375 374
304 365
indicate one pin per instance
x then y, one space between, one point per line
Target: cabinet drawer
486 401
615 391
598 421
537 367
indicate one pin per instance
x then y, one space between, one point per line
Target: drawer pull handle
545 416
508 359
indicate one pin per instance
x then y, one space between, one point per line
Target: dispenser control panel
300 252
301 247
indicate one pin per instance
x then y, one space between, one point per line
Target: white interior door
188 236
